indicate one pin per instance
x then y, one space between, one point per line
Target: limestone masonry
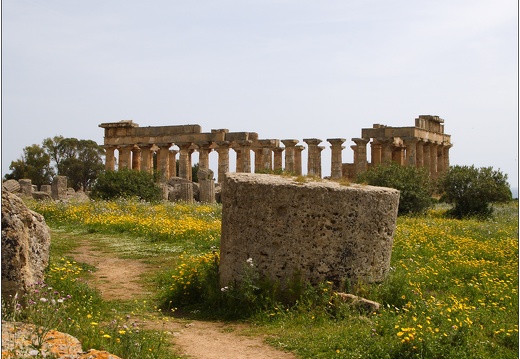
146 148
319 231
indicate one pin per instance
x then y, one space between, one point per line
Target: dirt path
119 279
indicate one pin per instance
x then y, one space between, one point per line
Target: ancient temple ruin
148 148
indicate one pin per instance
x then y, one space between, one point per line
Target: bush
414 184
126 183
472 190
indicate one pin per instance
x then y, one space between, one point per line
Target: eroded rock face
319 231
25 245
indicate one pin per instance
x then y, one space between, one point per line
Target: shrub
472 190
126 183
414 184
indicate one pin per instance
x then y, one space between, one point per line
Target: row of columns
268 155
415 152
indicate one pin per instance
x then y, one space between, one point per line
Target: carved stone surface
11 186
320 231
25 245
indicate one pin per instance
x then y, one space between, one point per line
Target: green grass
452 291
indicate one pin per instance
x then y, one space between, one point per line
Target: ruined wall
319 230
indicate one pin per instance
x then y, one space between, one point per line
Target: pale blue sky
284 69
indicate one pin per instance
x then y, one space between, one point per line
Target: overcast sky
281 68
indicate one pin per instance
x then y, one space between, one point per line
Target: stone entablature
422 145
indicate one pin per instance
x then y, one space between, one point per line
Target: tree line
80 160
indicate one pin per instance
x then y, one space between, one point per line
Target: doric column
375 150
426 155
420 153
398 155
446 150
146 158
190 163
184 160
266 156
336 159
245 156
433 160
259 158
313 156
172 160
136 158
223 159
110 160
289 154
125 152
411 150
163 160
298 159
278 158
440 160
360 155
206 185
204 150
386 149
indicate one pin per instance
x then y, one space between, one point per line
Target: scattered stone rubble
17 340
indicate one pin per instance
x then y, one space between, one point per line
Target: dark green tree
34 165
414 184
126 183
79 160
83 168
472 190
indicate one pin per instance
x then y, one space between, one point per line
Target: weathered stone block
206 185
11 185
41 196
26 187
59 187
319 231
25 245
46 188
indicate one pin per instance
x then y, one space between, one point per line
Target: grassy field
452 291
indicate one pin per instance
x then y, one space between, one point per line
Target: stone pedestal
336 160
26 187
206 185
317 231
59 187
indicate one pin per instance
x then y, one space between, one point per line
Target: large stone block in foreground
319 231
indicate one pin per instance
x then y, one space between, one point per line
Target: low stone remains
12 186
26 187
319 231
25 245
59 187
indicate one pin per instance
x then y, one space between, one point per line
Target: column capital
336 141
290 143
312 141
268 143
361 141
223 145
410 139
